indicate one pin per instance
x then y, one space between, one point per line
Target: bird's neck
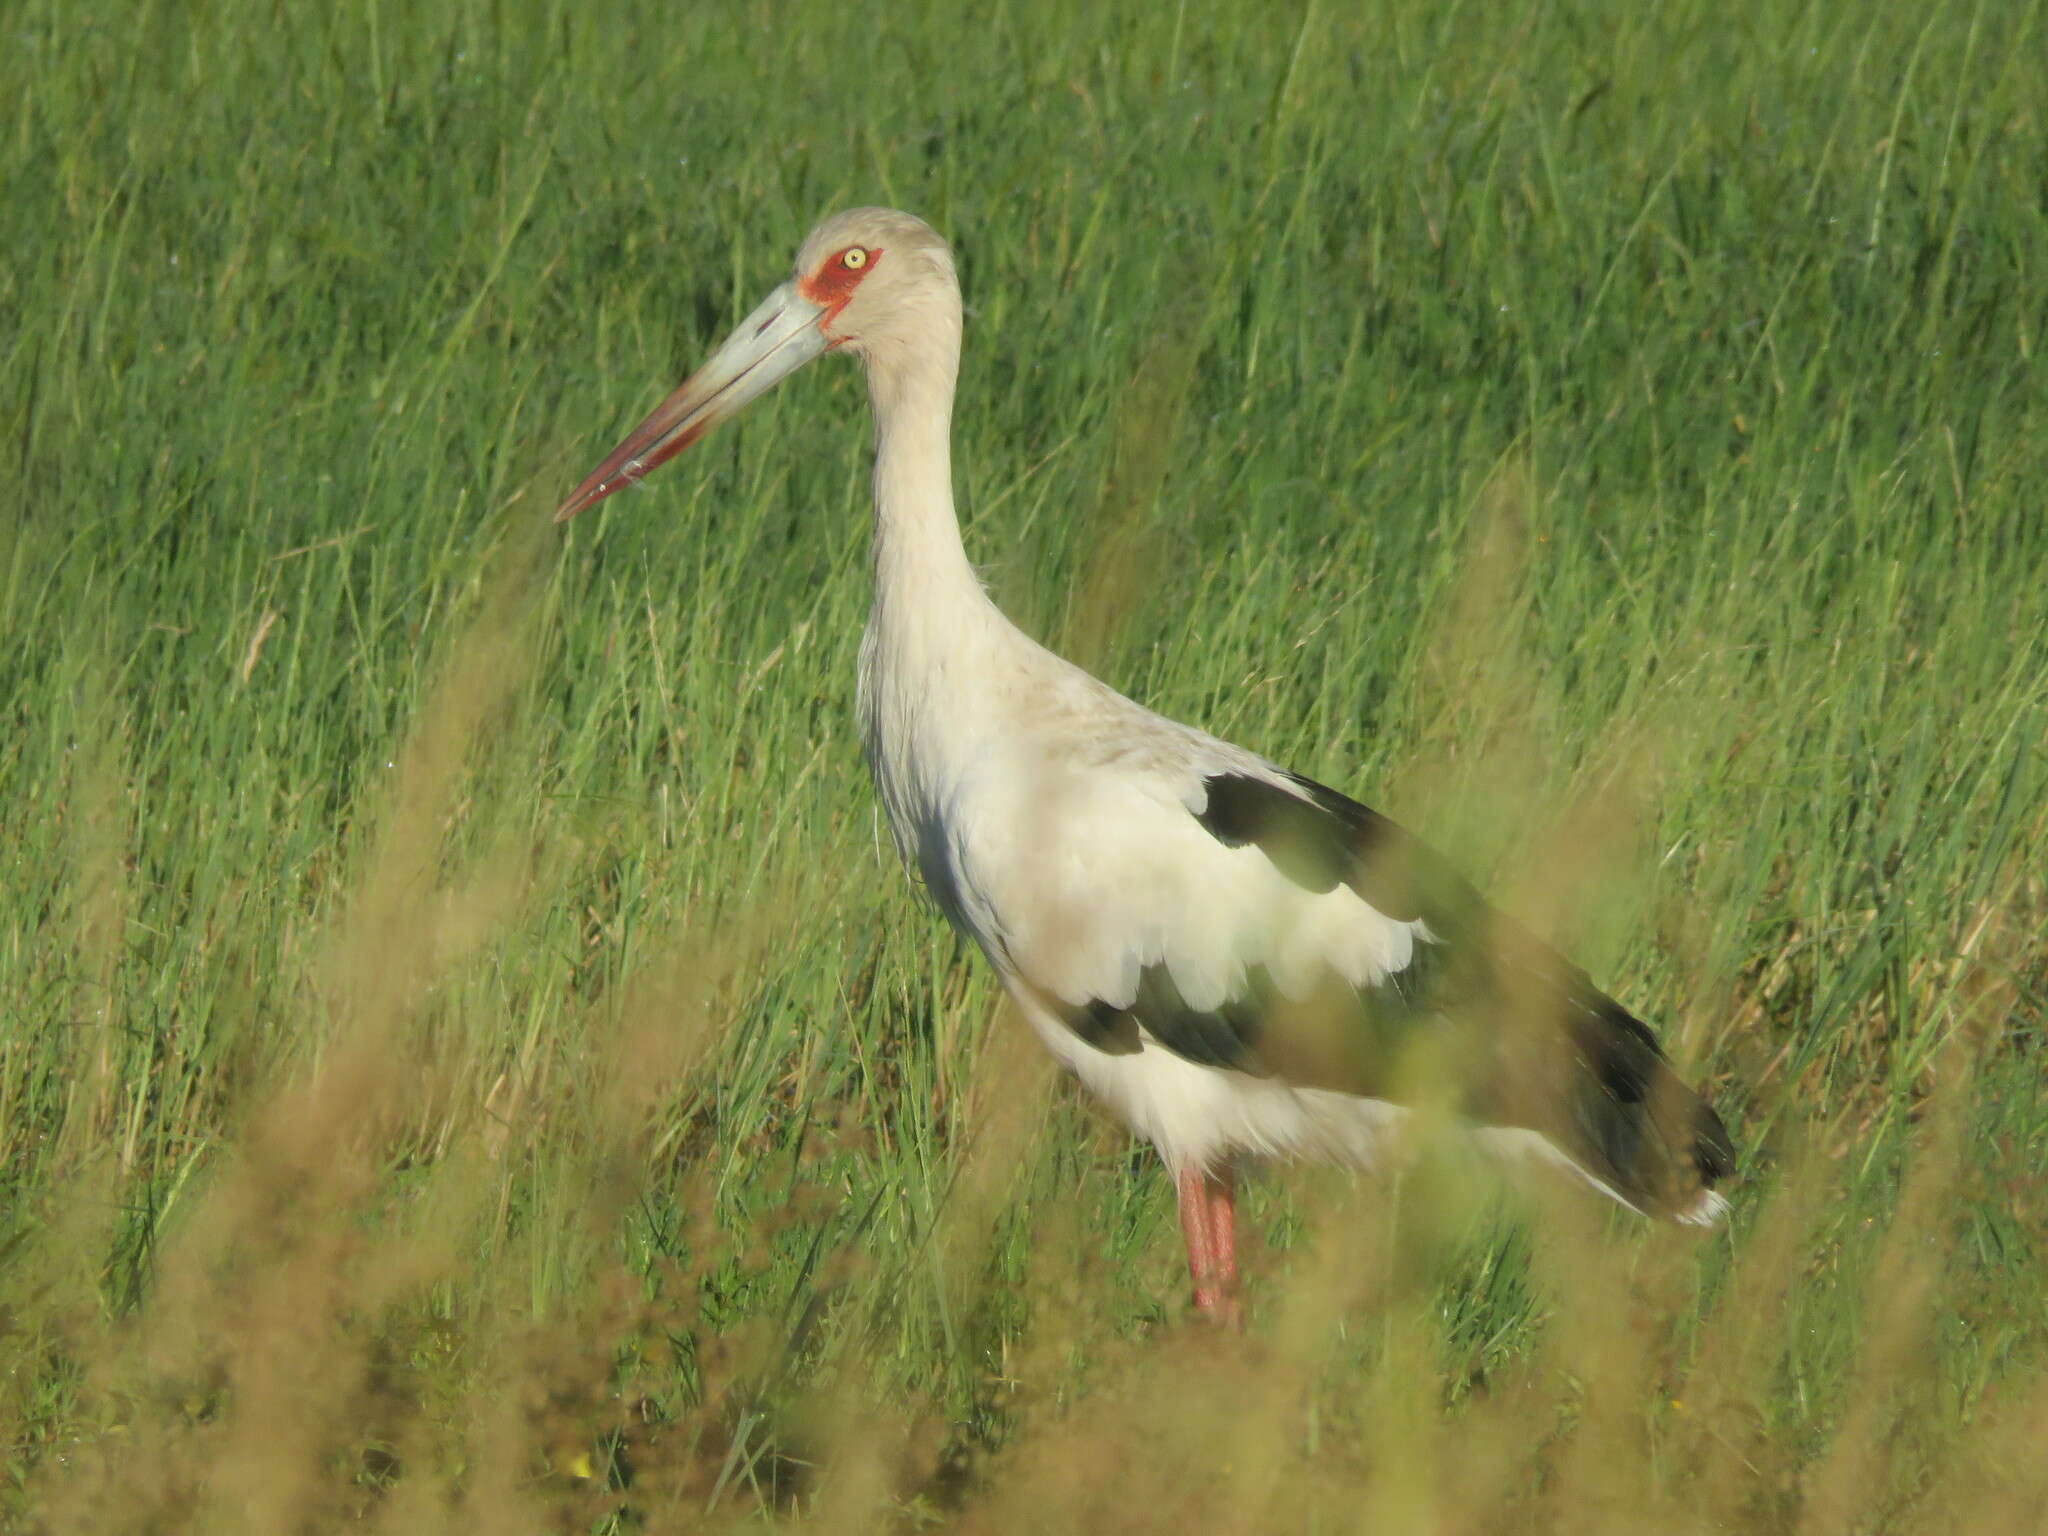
918 553
926 593
938 653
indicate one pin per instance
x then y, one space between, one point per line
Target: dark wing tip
1633 1119
1713 1149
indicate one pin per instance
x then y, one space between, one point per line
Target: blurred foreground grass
470 1060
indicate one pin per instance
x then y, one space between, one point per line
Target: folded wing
1264 924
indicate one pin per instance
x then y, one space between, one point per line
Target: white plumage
1235 959
1069 850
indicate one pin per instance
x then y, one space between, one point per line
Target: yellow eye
854 259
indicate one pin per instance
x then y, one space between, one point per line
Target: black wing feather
1327 838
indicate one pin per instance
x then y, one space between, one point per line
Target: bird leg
1208 1220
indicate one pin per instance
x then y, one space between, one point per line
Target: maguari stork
1240 961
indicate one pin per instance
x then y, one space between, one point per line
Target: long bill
778 338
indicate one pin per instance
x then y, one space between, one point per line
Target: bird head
871 281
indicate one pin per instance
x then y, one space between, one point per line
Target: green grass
470 1059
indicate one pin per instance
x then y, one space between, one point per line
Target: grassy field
470 1059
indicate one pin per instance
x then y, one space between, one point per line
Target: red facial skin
833 283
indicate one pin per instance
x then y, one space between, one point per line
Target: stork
1241 961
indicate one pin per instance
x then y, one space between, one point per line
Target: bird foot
1208 1219
1222 1309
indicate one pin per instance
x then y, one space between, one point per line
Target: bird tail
1568 1062
1630 1121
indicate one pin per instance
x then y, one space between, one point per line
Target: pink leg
1208 1220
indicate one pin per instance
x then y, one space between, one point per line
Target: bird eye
853 258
